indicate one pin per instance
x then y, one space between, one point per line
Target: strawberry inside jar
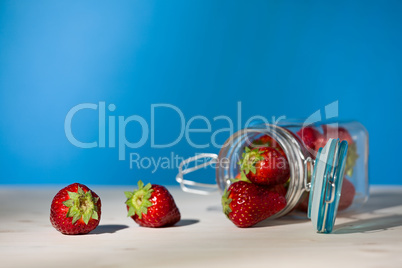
269 166
314 138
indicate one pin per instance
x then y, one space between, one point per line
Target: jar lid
326 185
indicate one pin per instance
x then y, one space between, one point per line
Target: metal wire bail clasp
308 166
208 188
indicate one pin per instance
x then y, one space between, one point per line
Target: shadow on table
379 201
293 218
215 208
108 228
369 225
186 222
378 222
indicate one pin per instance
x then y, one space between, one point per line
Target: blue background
277 57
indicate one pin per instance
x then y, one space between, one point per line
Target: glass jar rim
298 159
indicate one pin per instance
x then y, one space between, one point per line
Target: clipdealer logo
115 127
117 124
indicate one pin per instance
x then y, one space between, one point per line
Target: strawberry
344 135
152 206
265 166
337 132
312 139
347 195
279 188
267 141
75 210
303 203
246 204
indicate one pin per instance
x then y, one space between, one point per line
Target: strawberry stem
138 201
81 205
226 203
249 159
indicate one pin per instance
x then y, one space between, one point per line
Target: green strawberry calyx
242 178
226 202
258 144
81 205
351 159
138 200
249 159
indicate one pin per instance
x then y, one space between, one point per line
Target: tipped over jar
322 167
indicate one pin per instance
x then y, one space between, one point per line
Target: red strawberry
265 166
347 195
246 204
152 206
344 135
303 203
279 188
312 139
337 132
267 141
75 210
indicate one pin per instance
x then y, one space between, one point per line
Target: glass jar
320 156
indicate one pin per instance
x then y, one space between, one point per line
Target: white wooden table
204 237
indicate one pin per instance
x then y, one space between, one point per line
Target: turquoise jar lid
326 185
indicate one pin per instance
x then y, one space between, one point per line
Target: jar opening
279 151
